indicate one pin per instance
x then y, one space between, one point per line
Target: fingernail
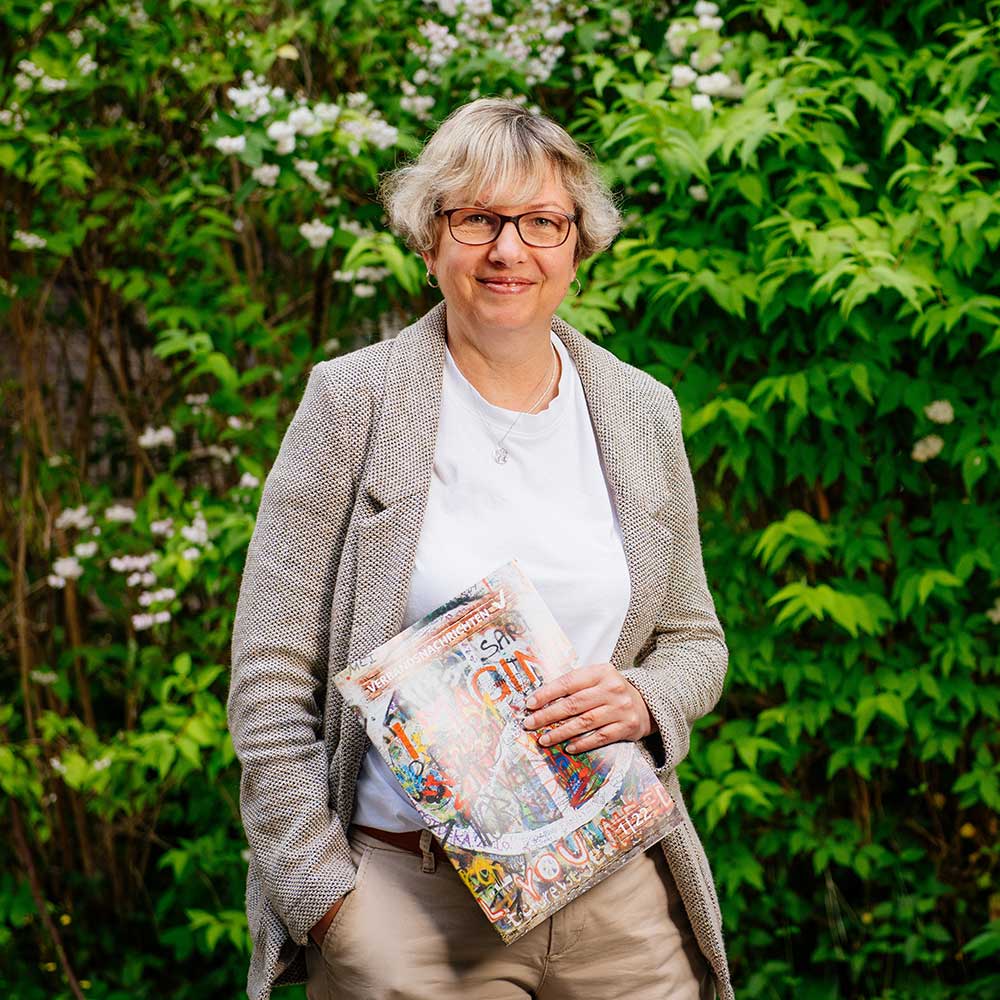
530 702
529 722
544 740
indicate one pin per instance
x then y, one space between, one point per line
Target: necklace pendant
500 455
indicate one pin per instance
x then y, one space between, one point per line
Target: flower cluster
701 32
130 563
927 448
317 233
29 240
266 175
157 437
993 614
148 597
164 528
940 412
74 517
365 279
119 513
66 568
229 144
146 620
530 39
308 170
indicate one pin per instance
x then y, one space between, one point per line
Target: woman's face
506 284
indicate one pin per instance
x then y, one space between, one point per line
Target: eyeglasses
478 226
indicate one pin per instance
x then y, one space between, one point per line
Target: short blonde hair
493 144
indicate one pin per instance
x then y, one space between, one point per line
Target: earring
430 274
579 287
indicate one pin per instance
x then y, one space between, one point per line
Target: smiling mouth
504 284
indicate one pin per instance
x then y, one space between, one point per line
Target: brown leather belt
409 841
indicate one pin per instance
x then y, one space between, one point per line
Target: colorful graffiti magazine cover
528 827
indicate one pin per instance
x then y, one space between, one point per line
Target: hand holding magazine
528 827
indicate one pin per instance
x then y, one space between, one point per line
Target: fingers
565 708
585 722
567 684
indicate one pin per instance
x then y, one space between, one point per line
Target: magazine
528 827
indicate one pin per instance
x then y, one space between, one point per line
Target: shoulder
352 383
640 393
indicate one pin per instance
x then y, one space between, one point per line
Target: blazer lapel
396 482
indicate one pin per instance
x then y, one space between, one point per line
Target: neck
507 368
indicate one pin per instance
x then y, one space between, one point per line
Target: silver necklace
500 453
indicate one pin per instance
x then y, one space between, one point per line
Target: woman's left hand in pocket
591 707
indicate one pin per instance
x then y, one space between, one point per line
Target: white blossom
57 765
46 677
703 8
31 69
249 481
197 530
698 192
327 112
266 174
138 579
304 121
146 598
994 613
154 437
75 36
128 563
677 36
102 763
22 81
283 134
191 553
235 423
682 76
709 23
714 84
58 582
119 512
940 411
317 233
85 549
86 64
74 517
231 144
146 620
701 102
51 84
363 291
68 567
927 448
30 240
705 61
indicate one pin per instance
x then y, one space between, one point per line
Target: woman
488 429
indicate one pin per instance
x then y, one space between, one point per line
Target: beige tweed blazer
326 578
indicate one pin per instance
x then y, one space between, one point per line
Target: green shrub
810 262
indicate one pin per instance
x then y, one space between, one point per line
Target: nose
508 245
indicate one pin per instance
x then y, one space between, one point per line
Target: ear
428 260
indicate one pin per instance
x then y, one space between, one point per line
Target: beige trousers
408 934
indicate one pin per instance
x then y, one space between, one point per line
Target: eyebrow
531 208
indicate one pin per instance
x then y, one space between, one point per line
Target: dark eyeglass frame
504 219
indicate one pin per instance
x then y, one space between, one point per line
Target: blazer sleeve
681 676
280 651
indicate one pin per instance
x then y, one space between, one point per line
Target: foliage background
810 260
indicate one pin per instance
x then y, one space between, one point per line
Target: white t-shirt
548 506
